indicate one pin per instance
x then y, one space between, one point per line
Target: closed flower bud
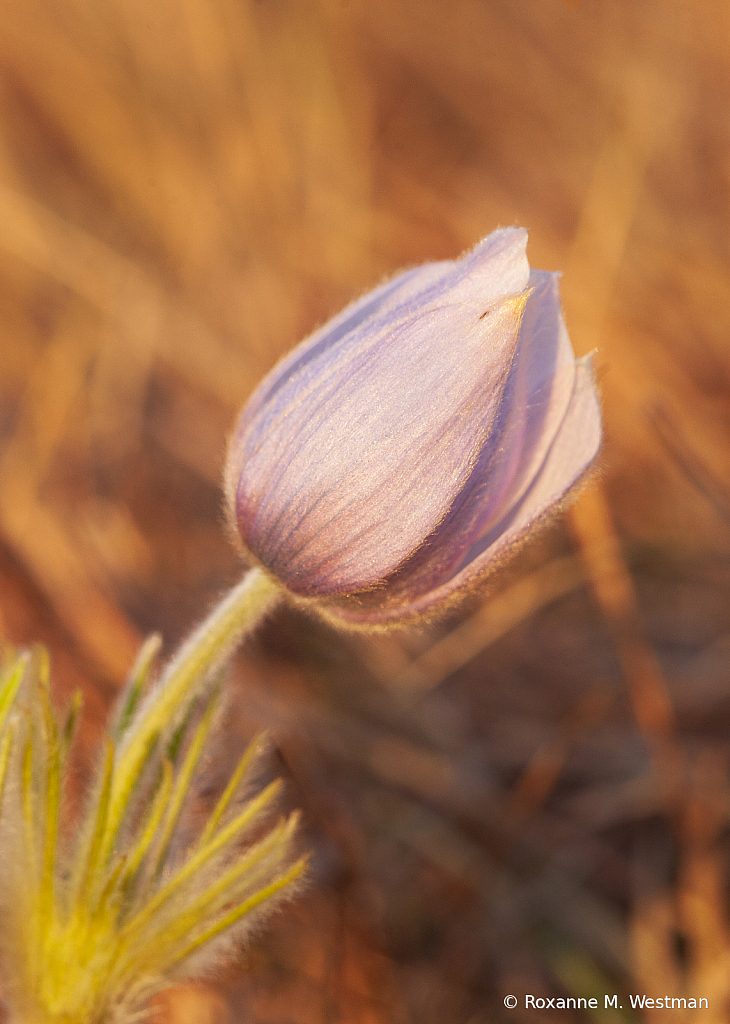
407 446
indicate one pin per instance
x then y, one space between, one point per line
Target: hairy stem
208 648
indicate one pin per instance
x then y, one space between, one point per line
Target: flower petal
533 405
380 422
545 375
569 456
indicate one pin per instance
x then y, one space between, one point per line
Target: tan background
541 802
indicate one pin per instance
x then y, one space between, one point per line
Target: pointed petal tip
509 243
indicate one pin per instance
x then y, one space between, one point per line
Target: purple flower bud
404 448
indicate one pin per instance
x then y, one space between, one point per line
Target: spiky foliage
137 897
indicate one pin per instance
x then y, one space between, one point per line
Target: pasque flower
389 461
408 445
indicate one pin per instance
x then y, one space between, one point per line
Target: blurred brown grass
533 798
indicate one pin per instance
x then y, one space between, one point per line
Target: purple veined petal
546 384
532 408
345 484
497 267
569 457
338 392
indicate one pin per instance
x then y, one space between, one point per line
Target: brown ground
541 803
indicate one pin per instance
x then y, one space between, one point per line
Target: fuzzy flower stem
207 649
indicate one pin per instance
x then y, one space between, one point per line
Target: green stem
207 649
